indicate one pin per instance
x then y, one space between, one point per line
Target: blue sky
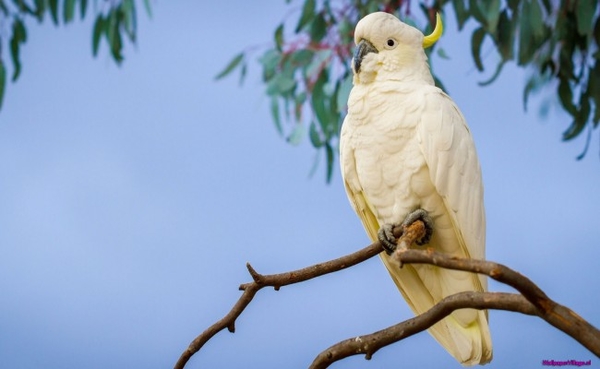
131 198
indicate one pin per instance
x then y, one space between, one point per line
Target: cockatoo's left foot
422 215
386 238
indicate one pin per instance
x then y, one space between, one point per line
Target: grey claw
421 214
386 238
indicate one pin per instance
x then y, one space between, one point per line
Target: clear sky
131 198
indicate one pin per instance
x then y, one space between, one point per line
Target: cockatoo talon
387 239
422 215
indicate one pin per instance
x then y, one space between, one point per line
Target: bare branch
370 343
533 300
557 315
408 236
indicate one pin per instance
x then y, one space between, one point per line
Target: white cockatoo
406 152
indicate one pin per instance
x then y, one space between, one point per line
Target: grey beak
363 48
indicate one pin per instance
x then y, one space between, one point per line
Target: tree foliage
307 70
115 20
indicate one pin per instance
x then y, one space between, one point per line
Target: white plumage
404 146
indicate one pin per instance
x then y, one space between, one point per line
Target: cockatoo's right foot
386 238
422 215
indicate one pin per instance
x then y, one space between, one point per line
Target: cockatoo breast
391 170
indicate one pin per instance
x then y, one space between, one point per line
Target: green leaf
343 93
19 36
320 104
68 10
54 10
231 66
526 49
279 37
243 72
297 135
330 155
301 57
2 82
442 53
276 115
280 85
597 32
40 9
148 8
494 76
462 14
346 31
476 11
299 100
308 13
565 95
594 91
529 87
319 60
580 121
491 12
536 20
315 137
513 4
584 12
318 28
505 36
99 29
547 6
112 29
270 61
82 8
476 42
129 18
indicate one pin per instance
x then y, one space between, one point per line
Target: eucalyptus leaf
476 42
82 8
584 11
279 37
297 134
54 10
230 66
99 29
68 10
315 137
2 82
19 36
343 93
276 115
308 13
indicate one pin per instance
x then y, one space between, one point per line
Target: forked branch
531 301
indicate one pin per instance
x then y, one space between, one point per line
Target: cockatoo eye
391 43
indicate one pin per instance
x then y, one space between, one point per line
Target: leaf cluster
307 76
114 20
307 73
559 41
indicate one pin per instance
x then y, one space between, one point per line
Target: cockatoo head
385 43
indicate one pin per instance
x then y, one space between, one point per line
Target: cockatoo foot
422 215
387 239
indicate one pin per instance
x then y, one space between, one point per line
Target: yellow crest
428 41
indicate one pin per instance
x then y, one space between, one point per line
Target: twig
408 235
370 343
